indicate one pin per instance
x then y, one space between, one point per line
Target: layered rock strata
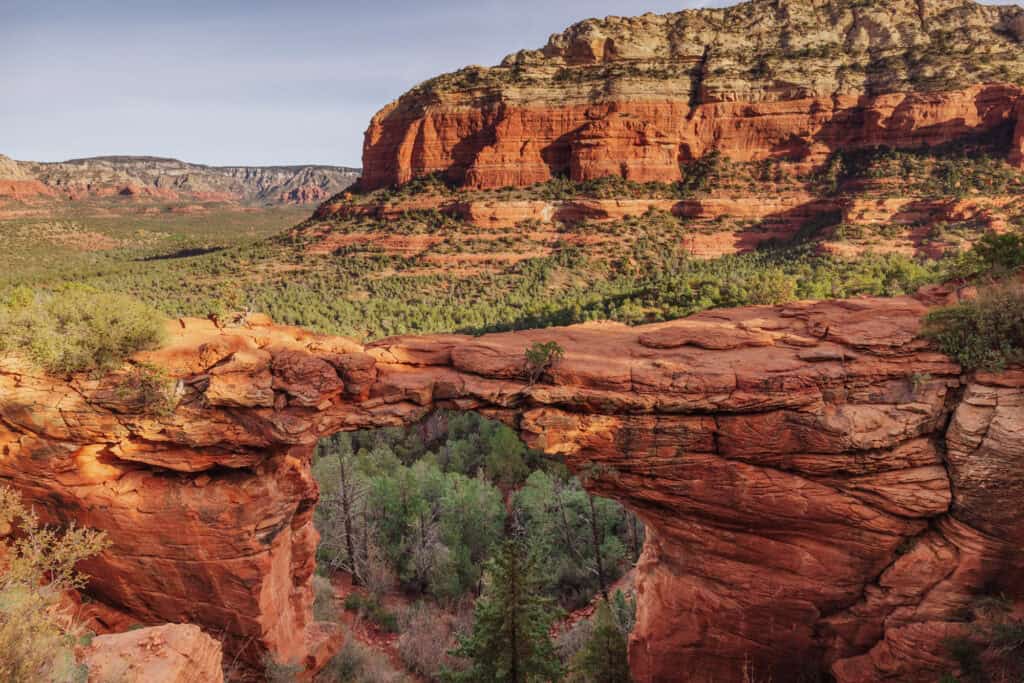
725 222
639 97
170 180
820 488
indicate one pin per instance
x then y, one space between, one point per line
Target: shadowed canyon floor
820 488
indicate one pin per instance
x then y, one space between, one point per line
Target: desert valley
687 347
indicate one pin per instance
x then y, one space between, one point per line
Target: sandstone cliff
766 79
171 179
820 488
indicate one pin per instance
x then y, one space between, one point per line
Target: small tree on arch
540 357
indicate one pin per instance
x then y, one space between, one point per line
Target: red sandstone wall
1017 146
645 140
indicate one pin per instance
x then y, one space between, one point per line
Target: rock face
719 225
170 179
173 653
1017 145
639 97
510 214
820 488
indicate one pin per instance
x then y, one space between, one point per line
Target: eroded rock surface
804 504
635 97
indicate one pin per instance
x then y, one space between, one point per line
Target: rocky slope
884 216
791 80
821 489
170 179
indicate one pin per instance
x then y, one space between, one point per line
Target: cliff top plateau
761 50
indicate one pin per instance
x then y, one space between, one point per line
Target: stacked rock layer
821 489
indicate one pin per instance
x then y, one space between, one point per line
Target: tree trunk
632 523
346 509
421 571
515 620
598 560
366 535
567 535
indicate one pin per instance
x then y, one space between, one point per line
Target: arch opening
411 519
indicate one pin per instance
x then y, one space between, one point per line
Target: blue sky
244 82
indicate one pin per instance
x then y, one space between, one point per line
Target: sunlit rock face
821 489
172 653
639 96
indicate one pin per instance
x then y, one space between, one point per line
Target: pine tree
604 658
511 642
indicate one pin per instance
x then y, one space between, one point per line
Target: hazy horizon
245 84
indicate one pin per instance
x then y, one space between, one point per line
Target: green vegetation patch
100 236
512 623
74 328
992 645
37 633
430 519
369 295
953 170
371 607
985 334
994 257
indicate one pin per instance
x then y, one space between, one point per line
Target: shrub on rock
76 328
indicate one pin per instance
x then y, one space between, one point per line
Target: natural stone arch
788 463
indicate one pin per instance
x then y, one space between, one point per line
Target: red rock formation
948 563
306 194
136 191
637 96
1017 146
21 190
174 653
782 458
750 222
620 145
791 208
647 140
502 214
